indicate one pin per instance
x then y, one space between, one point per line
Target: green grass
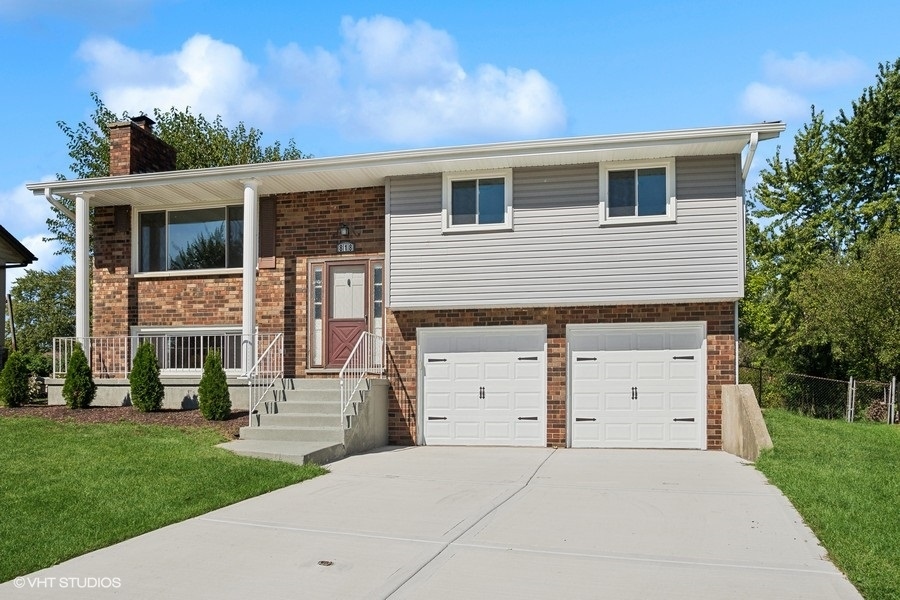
844 478
67 488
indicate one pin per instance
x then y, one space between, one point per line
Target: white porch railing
268 369
183 353
366 358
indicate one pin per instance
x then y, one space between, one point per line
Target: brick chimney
133 148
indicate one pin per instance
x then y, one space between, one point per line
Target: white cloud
390 80
772 103
805 72
25 217
207 75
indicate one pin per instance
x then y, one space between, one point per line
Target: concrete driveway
431 522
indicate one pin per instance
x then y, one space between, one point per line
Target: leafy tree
147 390
44 303
79 389
850 304
838 192
212 393
199 142
14 381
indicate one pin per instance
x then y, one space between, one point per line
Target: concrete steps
301 422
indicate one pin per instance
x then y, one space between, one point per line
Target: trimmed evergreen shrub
213 395
79 389
147 390
14 381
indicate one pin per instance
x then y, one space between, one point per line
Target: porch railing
366 358
177 353
268 369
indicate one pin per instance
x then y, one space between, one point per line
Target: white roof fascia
372 169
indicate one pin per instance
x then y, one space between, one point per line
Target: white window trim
138 330
671 208
136 243
449 178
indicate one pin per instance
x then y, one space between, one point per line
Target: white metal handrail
261 377
366 357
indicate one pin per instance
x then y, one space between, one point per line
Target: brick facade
306 228
402 354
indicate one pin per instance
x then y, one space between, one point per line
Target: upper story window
477 201
179 240
637 192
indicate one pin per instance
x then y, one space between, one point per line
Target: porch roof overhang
198 186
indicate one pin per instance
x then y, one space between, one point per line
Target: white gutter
754 141
48 194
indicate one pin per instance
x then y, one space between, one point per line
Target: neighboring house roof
363 170
12 252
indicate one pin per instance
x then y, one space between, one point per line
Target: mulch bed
115 414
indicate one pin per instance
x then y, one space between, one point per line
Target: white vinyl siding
557 254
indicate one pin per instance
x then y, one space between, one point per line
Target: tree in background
45 300
835 196
199 143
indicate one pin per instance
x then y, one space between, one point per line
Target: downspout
58 205
745 171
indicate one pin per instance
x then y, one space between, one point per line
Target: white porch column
251 243
82 269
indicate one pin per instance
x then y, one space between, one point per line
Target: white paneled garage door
637 386
483 385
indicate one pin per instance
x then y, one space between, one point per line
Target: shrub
146 389
215 401
79 389
14 381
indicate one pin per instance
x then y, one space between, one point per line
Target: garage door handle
528 418
682 358
580 419
584 358
688 420
528 358
437 418
437 360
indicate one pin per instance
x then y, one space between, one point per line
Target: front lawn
68 488
844 478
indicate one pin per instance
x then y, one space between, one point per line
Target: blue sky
350 77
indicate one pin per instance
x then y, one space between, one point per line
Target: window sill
476 228
187 273
654 220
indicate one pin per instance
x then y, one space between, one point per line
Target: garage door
638 386
484 386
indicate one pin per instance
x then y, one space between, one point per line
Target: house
12 255
574 292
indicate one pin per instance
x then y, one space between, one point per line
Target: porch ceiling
199 186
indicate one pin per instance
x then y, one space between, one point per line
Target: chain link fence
822 397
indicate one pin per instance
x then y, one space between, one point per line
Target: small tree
79 389
215 401
14 381
147 391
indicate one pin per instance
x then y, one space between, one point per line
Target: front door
346 311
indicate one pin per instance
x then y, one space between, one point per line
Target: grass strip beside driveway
844 479
69 488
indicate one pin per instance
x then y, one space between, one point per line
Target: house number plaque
345 246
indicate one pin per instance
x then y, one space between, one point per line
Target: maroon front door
346 311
